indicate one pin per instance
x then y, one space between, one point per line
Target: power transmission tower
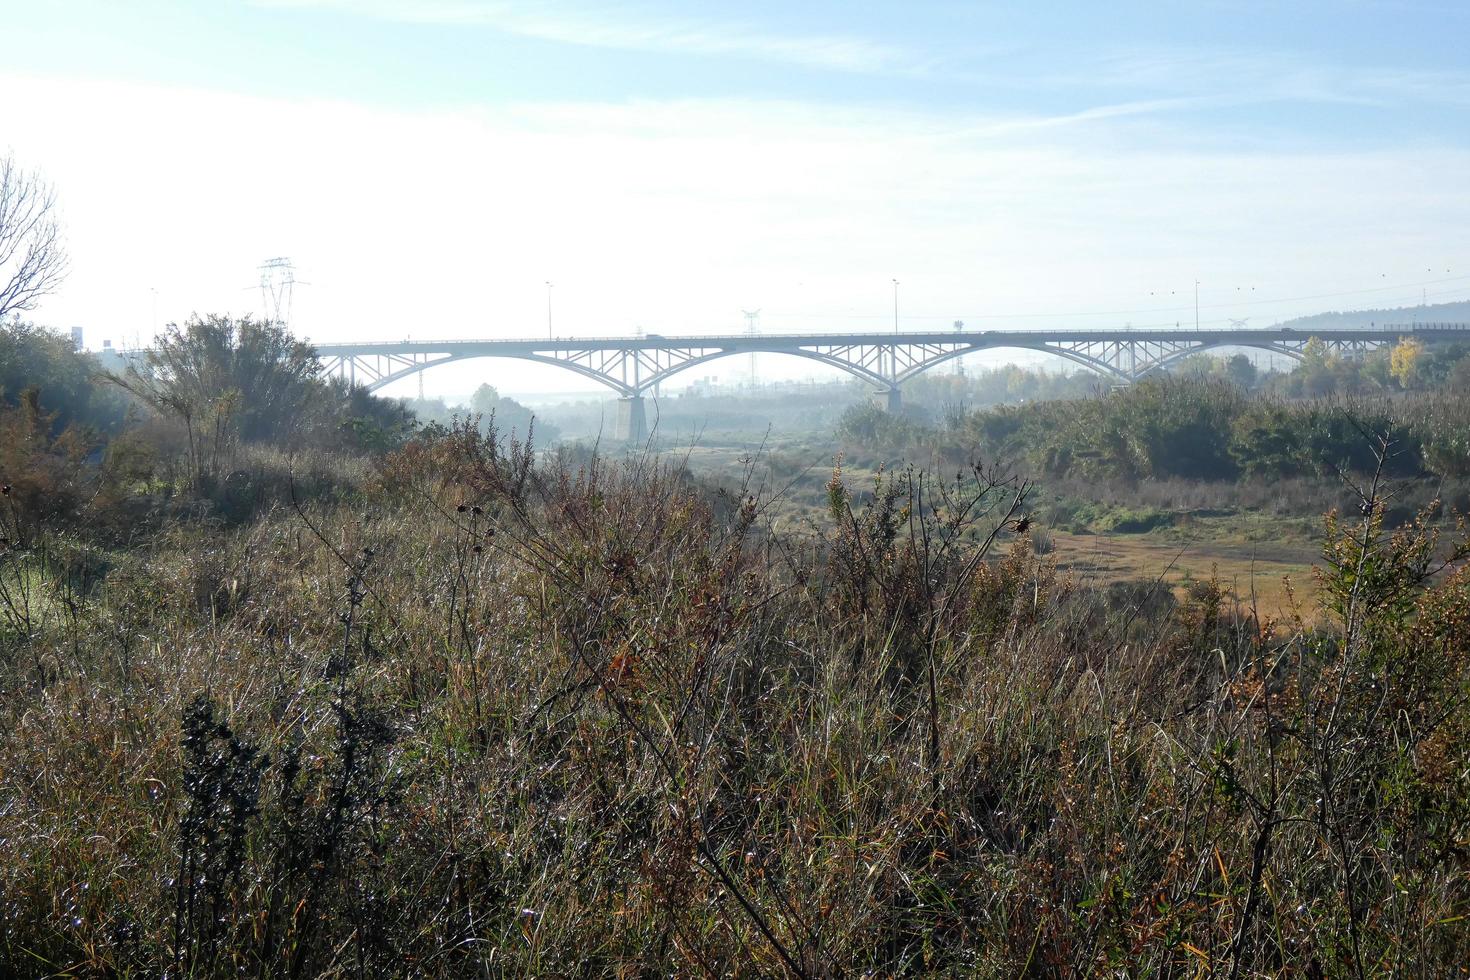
752 329
277 282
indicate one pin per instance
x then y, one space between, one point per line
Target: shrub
502 715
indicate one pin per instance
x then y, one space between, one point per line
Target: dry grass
496 718
1275 581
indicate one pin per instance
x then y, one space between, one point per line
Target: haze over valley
596 489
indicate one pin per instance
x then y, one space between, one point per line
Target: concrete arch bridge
632 366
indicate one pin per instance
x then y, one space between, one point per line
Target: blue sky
431 163
1391 64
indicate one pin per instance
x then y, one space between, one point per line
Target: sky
430 165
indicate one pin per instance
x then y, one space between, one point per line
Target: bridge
632 366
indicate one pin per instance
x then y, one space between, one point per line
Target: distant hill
1353 319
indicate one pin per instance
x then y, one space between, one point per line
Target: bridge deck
778 342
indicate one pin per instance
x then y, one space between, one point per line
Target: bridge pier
632 424
895 399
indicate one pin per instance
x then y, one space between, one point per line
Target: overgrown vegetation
213 424
502 715
227 382
35 358
1191 428
289 701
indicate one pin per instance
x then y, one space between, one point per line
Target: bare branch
33 260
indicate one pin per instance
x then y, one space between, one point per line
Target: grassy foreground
487 716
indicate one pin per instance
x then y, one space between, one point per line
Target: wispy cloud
1260 75
1143 79
674 215
589 28
1105 112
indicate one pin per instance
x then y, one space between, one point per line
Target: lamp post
895 306
548 309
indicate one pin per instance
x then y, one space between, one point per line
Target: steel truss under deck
633 365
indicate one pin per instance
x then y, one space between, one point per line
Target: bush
44 475
1187 427
228 382
497 715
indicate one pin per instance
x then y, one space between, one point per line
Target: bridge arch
1175 357
856 370
1096 365
621 388
410 370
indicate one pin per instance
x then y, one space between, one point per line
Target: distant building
110 358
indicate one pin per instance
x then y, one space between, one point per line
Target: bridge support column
632 427
895 399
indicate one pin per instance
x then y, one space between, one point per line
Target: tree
429 410
1315 354
1459 377
32 259
485 400
42 467
1317 368
1240 370
1374 369
366 422
511 417
1197 365
31 357
227 380
1404 362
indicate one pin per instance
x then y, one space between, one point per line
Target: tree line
1188 426
210 402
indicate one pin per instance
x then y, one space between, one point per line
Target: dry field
1275 579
